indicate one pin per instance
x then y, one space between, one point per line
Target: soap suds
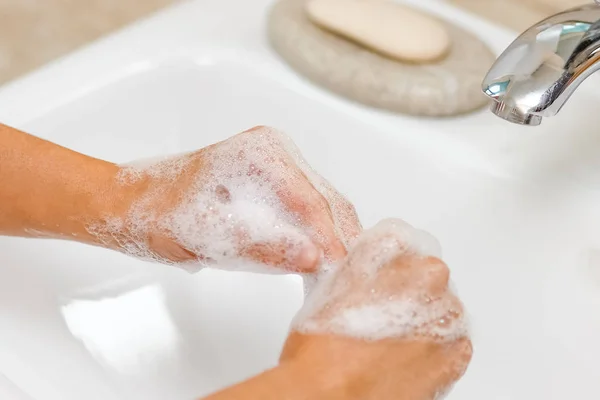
157 167
345 218
229 201
368 297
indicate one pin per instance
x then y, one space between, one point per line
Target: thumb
289 255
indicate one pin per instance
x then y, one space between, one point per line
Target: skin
51 191
333 367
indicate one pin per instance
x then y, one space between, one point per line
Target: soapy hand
384 324
251 198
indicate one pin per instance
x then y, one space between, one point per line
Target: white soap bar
384 26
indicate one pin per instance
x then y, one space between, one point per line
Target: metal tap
540 70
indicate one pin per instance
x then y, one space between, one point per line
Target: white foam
388 286
344 214
222 201
158 167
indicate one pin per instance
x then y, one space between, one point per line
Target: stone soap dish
445 87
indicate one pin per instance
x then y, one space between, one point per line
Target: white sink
517 211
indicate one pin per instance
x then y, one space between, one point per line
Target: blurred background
33 32
517 14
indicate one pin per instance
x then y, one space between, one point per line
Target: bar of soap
389 28
449 86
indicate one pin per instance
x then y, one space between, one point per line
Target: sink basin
517 211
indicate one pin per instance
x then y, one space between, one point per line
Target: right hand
385 324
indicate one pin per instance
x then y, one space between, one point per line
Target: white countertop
521 201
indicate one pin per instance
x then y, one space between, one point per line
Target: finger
425 278
290 250
438 274
391 238
313 211
288 256
298 194
372 251
256 128
344 214
346 219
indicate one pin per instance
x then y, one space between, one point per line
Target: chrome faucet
540 70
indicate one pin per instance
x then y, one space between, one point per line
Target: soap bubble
251 197
390 285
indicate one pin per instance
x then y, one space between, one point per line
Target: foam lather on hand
245 199
390 285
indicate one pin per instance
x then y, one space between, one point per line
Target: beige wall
33 32
517 14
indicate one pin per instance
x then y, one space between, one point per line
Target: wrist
292 380
353 369
82 199
330 374
90 197
107 205
312 381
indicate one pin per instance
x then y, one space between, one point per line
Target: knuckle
349 208
438 272
465 349
256 129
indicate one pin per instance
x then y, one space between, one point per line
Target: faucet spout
536 75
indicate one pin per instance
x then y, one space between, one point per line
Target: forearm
288 381
48 190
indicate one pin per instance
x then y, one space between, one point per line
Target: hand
249 198
384 324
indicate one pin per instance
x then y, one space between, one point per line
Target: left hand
249 198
